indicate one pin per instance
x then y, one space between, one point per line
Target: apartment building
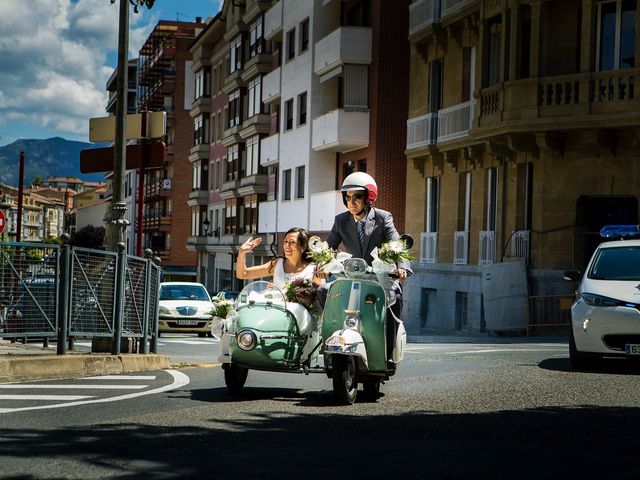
337 100
42 217
164 84
521 144
209 53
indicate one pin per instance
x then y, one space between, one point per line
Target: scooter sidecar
267 333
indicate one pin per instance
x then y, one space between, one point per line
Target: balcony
253 184
343 45
487 247
273 21
421 131
450 7
157 188
198 197
271 86
199 152
520 241
455 122
423 14
323 208
460 247
259 63
581 100
269 150
340 131
267 216
429 247
201 105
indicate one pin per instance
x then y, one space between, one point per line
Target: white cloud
53 60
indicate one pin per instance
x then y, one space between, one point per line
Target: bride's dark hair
303 241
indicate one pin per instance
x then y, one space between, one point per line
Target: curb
27 367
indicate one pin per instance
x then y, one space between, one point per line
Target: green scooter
354 331
265 332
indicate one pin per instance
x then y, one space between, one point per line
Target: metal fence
67 292
548 312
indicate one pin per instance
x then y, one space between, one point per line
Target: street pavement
28 361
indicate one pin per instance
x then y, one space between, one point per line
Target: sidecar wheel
235 377
345 379
372 389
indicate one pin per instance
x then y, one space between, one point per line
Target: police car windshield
618 263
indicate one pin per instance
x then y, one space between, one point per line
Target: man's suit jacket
378 229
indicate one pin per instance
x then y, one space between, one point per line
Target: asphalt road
453 411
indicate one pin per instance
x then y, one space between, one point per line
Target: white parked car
185 307
605 317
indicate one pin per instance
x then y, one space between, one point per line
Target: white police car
605 317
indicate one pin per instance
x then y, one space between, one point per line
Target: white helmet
360 181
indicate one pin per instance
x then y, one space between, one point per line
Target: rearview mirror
407 239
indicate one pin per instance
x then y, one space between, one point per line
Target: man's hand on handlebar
401 273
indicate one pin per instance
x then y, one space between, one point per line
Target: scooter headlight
351 321
246 340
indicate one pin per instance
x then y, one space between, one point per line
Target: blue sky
56 57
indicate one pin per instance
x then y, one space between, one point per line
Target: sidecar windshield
260 292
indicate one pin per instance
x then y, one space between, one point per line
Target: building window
255 100
286 184
196 175
230 220
232 163
492 199
252 157
362 165
616 34
201 130
300 182
291 44
235 54
288 108
304 36
464 201
302 108
433 200
492 75
202 83
461 310
251 214
234 109
256 40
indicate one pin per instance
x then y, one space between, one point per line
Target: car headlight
351 321
209 311
595 300
246 339
165 310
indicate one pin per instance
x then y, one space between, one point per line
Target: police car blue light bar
620 231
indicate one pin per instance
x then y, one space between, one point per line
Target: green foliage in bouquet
394 251
223 307
319 252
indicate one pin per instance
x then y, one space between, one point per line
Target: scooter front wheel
234 377
345 378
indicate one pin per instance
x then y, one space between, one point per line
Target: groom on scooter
361 229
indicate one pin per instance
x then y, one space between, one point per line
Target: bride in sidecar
266 330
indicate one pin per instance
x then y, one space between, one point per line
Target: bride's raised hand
250 244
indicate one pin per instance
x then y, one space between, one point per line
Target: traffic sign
2 221
103 129
98 160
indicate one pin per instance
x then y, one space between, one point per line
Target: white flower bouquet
324 257
389 254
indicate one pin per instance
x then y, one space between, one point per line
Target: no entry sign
2 221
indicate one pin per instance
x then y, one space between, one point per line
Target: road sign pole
143 162
20 197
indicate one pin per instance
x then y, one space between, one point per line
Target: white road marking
71 386
494 350
120 377
42 397
179 380
187 342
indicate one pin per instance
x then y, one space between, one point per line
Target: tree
88 237
36 182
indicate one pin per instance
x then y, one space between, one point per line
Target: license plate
632 349
187 322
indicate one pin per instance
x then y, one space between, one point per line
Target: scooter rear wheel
234 377
345 378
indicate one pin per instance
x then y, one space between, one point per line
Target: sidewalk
23 362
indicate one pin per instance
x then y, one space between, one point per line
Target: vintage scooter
354 329
265 332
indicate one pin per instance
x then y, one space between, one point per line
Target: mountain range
53 157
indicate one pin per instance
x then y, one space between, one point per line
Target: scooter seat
303 317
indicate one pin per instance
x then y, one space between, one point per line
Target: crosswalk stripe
27 386
44 397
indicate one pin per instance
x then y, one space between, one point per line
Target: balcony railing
421 131
487 247
323 208
450 7
422 14
520 245
455 122
460 247
273 21
269 147
340 131
428 247
271 86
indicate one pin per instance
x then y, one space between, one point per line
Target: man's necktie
360 226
